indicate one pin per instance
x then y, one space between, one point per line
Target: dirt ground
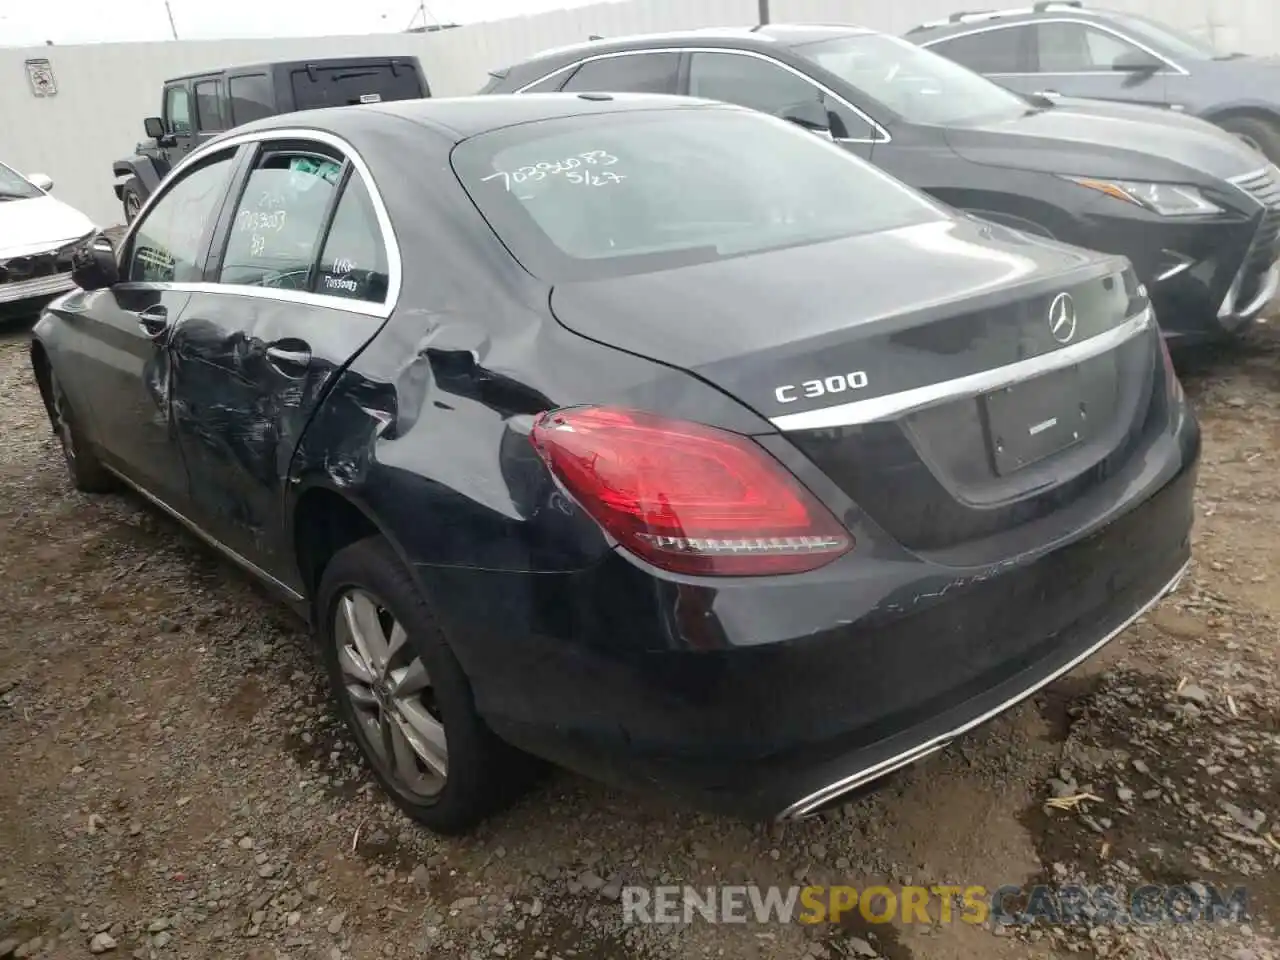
175 779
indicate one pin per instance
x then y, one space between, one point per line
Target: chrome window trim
1079 73
233 142
1174 69
881 134
303 297
892 405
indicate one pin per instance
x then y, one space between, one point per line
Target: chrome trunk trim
908 401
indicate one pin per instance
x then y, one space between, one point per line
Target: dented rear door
303 286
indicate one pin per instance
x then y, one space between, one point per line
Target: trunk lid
874 356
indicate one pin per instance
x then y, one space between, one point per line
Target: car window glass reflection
748 82
918 85
278 222
179 110
354 261
639 193
167 244
1077 48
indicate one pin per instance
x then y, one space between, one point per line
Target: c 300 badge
812 389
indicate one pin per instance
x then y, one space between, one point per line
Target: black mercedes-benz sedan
650 436
1194 209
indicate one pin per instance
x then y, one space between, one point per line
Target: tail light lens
685 497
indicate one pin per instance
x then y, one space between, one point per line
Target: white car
37 237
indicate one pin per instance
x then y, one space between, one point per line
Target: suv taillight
686 497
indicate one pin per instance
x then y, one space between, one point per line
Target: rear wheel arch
324 521
1256 113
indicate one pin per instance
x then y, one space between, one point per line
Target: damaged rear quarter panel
426 430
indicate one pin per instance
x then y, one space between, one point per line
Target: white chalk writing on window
575 169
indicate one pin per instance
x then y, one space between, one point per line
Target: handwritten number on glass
571 167
589 179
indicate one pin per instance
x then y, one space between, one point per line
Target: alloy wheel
390 692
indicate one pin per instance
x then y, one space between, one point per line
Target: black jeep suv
198 107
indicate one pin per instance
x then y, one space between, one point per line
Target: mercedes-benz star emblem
1062 318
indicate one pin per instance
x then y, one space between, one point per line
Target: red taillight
687 498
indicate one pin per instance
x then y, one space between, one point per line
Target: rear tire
1261 134
131 198
85 469
428 749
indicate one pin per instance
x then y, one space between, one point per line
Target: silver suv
1062 49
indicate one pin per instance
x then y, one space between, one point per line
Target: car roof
964 21
761 36
458 118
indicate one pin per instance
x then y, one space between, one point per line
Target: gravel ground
177 785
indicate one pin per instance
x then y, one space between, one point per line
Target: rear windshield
596 196
358 83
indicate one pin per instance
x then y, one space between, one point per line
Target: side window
846 124
279 220
1080 48
354 261
177 110
769 88
1109 52
209 106
633 73
992 51
166 246
250 98
748 82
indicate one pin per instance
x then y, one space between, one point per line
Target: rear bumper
856 771
772 698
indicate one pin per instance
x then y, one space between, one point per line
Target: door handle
154 320
1051 94
290 357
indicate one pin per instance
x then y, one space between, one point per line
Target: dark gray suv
1065 49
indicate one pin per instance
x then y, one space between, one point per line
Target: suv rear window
354 83
596 196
